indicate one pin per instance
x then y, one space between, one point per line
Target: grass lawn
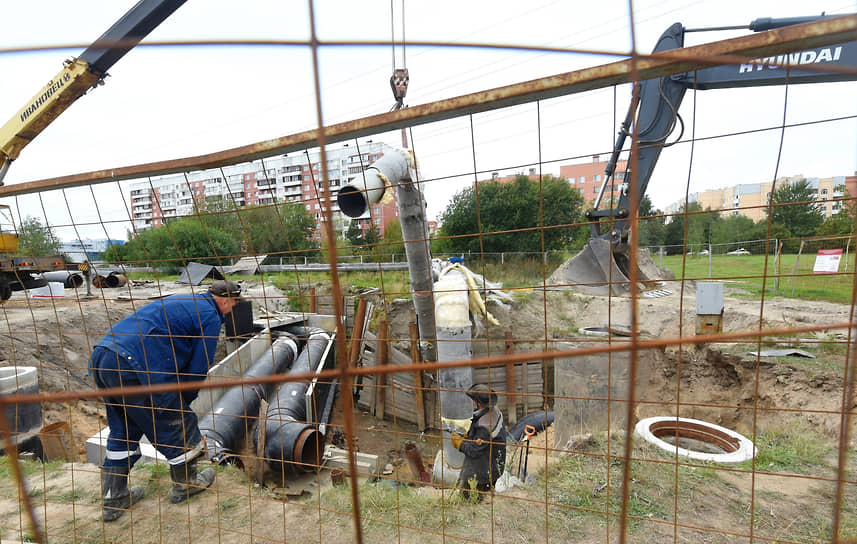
782 280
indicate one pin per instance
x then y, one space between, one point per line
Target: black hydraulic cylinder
292 443
235 413
769 23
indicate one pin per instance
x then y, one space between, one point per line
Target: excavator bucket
597 270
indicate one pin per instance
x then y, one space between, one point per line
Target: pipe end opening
309 450
351 201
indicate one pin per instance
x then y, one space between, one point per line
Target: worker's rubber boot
187 482
117 497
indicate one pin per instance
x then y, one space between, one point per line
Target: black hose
293 444
539 420
228 422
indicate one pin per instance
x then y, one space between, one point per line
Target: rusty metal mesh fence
639 417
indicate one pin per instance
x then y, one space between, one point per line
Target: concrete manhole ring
734 446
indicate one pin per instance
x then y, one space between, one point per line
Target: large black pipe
69 280
228 422
539 420
293 444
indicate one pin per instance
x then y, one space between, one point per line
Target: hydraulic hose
225 427
293 444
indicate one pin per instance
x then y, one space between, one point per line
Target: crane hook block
399 83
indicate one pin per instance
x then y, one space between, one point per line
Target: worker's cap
225 288
480 393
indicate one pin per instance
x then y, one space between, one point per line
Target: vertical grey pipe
454 343
293 444
235 412
394 168
412 215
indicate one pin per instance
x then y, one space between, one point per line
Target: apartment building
294 177
751 199
589 177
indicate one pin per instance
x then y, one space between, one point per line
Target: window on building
581 179
377 220
308 206
597 177
824 192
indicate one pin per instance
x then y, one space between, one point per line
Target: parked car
739 251
703 252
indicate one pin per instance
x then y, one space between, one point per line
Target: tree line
508 217
523 215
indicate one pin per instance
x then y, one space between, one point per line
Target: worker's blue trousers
164 418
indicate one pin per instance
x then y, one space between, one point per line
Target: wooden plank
511 397
260 443
381 391
418 376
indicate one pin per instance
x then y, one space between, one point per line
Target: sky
163 103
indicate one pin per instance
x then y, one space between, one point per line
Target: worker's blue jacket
171 340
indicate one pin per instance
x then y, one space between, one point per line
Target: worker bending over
172 340
484 446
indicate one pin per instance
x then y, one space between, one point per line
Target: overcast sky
166 103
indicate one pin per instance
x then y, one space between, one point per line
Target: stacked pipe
225 427
293 444
68 279
114 279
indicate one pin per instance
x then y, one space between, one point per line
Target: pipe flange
736 447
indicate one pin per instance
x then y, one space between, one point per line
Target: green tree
393 242
36 239
177 243
652 230
354 234
699 226
500 210
735 228
794 207
841 222
282 228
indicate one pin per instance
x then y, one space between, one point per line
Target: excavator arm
79 75
653 113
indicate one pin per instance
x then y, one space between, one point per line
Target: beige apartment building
751 199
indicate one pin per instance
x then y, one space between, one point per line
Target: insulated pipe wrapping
412 216
453 344
292 444
68 279
368 188
225 427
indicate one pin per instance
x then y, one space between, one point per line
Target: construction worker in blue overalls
172 340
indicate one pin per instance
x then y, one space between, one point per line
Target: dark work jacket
484 450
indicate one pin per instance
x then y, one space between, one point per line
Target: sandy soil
56 336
